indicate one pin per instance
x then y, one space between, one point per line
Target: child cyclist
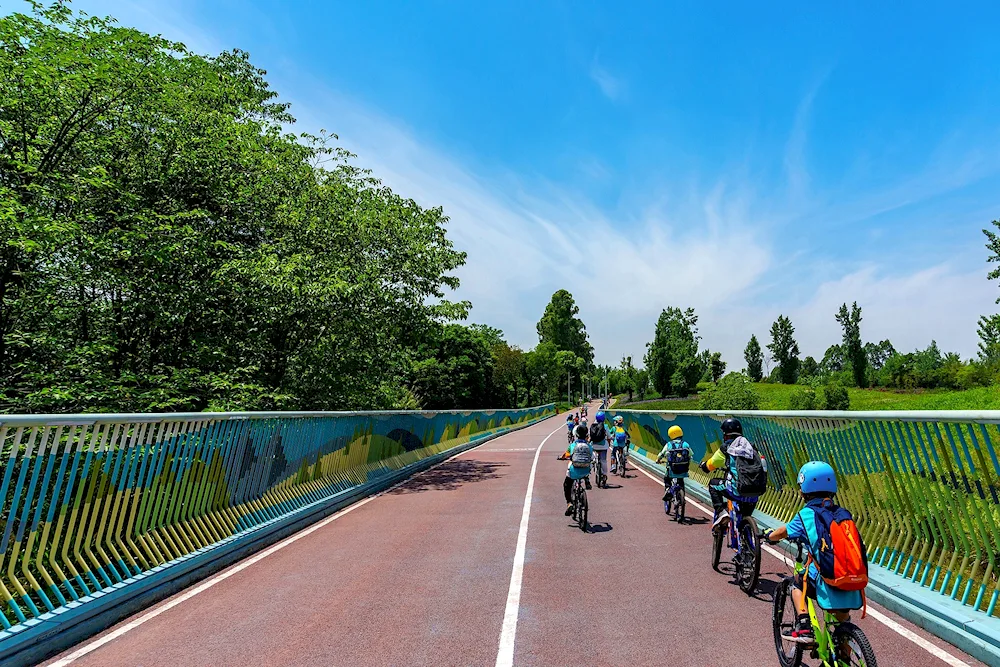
599 441
743 488
581 456
678 455
570 424
619 441
812 527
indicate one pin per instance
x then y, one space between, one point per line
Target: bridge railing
88 501
923 486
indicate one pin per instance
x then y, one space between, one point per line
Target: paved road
421 574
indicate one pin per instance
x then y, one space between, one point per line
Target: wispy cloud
612 86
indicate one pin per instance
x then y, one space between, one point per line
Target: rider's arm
779 533
663 452
717 460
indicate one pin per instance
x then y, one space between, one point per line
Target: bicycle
620 457
602 479
744 539
580 506
838 643
677 499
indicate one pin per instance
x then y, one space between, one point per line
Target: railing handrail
87 418
970 416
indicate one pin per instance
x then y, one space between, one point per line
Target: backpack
840 557
751 473
597 432
679 460
582 455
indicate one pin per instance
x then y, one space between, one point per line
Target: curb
42 637
972 632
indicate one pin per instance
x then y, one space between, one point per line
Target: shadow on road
601 527
451 476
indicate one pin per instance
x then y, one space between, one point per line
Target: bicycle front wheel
717 537
783 622
853 647
748 561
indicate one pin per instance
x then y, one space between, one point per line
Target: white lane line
930 647
239 567
505 655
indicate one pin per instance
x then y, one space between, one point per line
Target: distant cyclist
619 439
599 441
581 457
743 480
569 427
677 454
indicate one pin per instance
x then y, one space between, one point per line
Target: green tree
808 370
168 245
989 339
735 392
642 382
674 341
508 369
717 366
455 370
755 360
627 376
850 321
784 349
561 326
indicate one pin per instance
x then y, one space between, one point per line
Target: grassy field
778 397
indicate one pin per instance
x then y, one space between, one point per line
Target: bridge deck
420 576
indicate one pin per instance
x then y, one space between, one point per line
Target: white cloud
610 85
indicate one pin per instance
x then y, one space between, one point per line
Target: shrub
733 392
836 397
803 399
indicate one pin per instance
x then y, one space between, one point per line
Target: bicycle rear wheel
717 536
783 621
621 464
584 509
680 504
853 647
748 559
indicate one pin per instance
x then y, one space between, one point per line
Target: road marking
505 655
239 567
930 647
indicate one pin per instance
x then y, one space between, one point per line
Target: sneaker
666 496
802 633
587 481
613 470
569 509
721 519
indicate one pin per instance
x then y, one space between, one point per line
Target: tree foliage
784 349
674 348
561 327
755 360
735 391
850 321
167 245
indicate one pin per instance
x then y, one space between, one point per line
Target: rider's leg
602 456
717 489
568 492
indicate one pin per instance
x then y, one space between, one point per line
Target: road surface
422 575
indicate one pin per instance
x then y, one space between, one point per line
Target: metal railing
88 501
923 486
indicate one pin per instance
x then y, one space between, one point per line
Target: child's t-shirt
575 472
803 527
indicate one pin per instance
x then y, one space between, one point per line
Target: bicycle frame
825 649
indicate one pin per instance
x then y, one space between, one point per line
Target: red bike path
420 574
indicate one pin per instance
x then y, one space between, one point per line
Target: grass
778 397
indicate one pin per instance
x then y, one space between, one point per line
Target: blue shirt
579 473
803 528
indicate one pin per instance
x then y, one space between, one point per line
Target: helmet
599 416
732 426
619 419
569 418
675 432
581 432
817 477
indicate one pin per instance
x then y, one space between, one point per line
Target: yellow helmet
675 432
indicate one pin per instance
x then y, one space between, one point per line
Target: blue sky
746 160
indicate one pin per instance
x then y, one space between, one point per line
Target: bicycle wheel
748 558
621 464
853 647
680 504
783 621
584 509
717 538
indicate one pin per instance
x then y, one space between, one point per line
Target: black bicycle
602 479
675 498
580 507
620 459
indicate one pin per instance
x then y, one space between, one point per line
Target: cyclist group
835 573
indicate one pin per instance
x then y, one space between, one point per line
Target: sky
746 160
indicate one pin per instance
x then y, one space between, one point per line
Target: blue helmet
817 477
569 417
599 416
